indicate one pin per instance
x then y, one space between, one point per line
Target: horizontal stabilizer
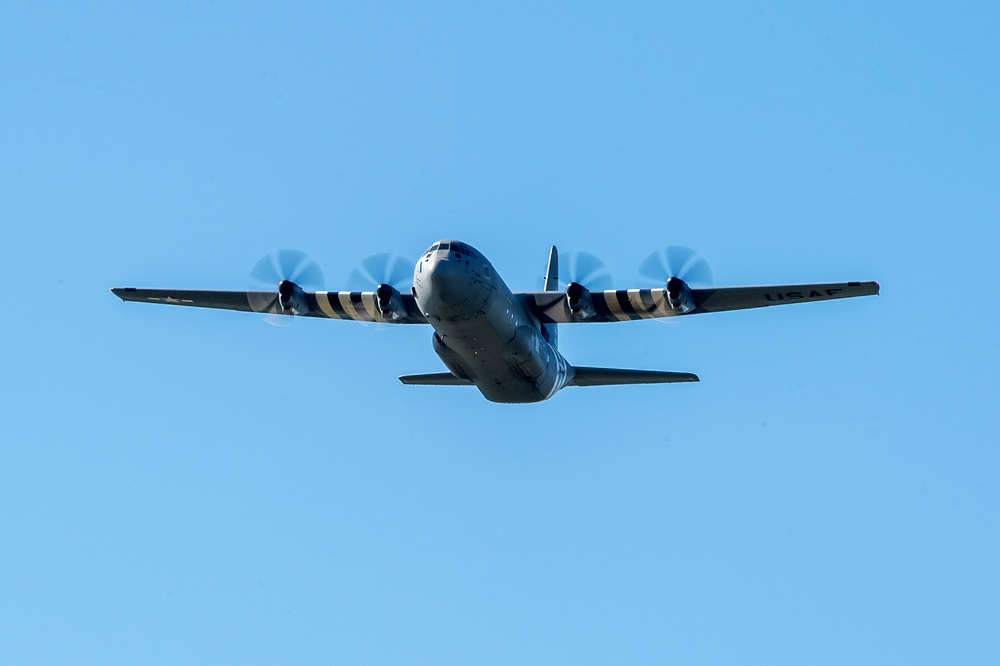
434 379
612 376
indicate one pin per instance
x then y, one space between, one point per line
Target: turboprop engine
578 300
389 302
679 266
679 296
291 298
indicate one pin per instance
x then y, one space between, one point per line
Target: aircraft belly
483 343
485 334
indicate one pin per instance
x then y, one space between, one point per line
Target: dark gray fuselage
481 330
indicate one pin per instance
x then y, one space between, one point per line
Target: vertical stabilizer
552 271
552 284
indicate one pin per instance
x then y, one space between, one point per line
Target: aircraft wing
353 305
551 307
742 298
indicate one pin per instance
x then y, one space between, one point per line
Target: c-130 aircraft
502 342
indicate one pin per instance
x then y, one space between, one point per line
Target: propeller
586 269
391 269
386 274
273 273
582 268
673 267
676 261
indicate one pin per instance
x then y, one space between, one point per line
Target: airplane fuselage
482 332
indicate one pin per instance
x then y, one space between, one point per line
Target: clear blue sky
191 486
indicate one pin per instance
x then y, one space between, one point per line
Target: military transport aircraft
502 342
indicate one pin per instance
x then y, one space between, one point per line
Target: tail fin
549 331
613 376
552 271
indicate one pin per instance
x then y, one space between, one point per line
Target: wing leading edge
351 305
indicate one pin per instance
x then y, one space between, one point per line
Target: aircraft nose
450 289
444 279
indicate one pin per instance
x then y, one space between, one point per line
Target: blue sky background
191 486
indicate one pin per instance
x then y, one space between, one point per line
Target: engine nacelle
679 296
389 302
291 299
578 300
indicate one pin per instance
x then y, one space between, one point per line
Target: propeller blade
698 273
284 264
678 257
676 261
385 268
655 267
586 269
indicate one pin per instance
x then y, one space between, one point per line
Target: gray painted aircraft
503 342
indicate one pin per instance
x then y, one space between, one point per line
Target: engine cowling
389 302
291 298
679 296
578 300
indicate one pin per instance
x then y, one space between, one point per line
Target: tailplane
615 376
435 379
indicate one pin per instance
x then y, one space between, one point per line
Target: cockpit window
433 247
444 246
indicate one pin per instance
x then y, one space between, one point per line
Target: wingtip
121 291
